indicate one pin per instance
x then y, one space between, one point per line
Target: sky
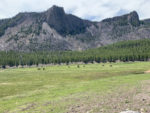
95 10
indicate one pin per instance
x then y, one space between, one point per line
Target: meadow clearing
84 88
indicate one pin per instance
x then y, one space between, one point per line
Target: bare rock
56 30
129 112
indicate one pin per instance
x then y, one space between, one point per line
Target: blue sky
95 10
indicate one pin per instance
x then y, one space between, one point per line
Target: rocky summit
55 30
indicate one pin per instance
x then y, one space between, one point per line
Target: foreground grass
57 88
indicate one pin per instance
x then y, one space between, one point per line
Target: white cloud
87 9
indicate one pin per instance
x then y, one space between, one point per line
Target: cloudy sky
86 9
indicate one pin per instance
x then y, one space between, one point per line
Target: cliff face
65 24
56 30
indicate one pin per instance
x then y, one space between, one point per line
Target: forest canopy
135 50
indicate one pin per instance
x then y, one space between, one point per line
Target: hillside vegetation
137 50
55 30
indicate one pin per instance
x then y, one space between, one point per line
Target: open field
91 88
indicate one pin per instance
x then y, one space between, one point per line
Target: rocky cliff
56 30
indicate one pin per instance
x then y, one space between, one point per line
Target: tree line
136 50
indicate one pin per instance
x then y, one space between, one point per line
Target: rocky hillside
56 30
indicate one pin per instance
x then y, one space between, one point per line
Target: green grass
57 87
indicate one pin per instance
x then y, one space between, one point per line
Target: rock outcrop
56 30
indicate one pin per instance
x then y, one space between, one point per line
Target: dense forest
137 50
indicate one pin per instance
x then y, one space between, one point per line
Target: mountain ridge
55 30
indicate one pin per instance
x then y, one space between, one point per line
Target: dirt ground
148 71
136 99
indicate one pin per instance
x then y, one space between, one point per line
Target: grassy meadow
87 88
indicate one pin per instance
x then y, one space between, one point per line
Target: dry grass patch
133 98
